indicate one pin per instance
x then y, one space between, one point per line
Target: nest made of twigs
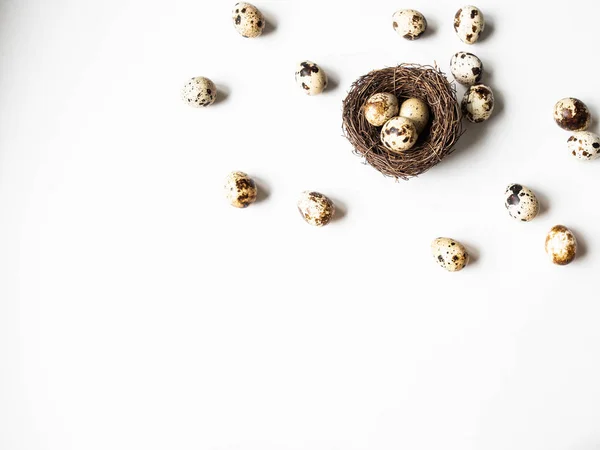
405 81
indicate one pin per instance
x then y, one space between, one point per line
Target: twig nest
478 103
404 81
572 114
449 254
311 78
399 134
199 92
466 68
561 245
469 23
315 208
380 108
240 189
409 24
417 112
521 203
248 20
584 145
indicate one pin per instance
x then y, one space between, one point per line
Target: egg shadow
430 32
488 29
582 245
222 94
543 201
473 253
341 209
333 80
263 189
270 22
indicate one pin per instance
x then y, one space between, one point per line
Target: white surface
139 310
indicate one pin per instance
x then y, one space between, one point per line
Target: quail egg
521 202
584 145
409 24
240 189
315 208
199 92
311 78
466 68
417 111
572 114
449 254
561 245
469 24
399 134
478 103
248 20
380 108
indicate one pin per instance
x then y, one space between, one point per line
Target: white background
138 310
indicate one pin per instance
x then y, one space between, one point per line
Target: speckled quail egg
466 68
380 108
521 202
399 134
240 189
449 254
469 24
311 78
561 245
584 145
199 92
315 208
478 103
248 20
417 111
572 114
409 24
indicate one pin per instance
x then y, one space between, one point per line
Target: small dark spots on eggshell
395 25
457 19
238 20
596 145
260 23
243 10
474 28
474 13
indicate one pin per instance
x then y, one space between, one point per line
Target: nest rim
405 81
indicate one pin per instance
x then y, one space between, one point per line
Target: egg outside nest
405 81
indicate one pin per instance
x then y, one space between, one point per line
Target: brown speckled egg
399 134
199 92
469 24
478 103
409 24
521 203
315 208
240 189
311 78
584 145
380 108
561 245
572 114
449 254
417 111
248 20
466 68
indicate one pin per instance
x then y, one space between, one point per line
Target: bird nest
405 81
